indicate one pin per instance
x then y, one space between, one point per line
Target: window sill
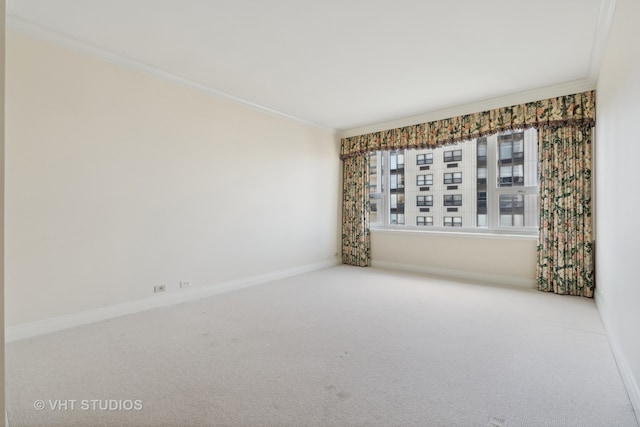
502 235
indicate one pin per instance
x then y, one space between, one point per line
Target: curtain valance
563 110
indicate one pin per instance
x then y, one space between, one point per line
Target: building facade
490 182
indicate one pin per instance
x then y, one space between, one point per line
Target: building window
397 181
482 202
512 210
453 221
482 151
482 176
424 220
516 169
424 159
453 178
423 180
511 159
396 160
425 201
499 193
453 156
397 219
453 200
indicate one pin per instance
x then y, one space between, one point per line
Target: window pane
505 220
518 148
505 178
518 174
518 210
482 149
518 220
505 150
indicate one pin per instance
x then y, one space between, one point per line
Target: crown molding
607 9
27 28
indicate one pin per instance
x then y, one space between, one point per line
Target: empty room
306 213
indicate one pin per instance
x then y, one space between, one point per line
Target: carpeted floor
343 346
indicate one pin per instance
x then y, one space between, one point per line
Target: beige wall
117 181
501 259
2 167
618 229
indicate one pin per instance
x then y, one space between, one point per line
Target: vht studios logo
88 405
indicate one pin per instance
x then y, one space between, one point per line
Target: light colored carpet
343 346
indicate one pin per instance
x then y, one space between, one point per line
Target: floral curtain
356 243
565 259
570 109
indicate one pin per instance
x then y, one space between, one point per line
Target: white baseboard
633 389
630 383
511 281
27 330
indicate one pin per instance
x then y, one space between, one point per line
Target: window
423 180
511 161
514 195
397 181
424 159
482 149
425 201
397 218
512 210
453 221
397 201
499 193
482 175
424 220
453 199
453 156
453 178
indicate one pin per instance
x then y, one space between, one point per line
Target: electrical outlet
159 288
185 283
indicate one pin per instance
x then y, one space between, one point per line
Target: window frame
426 160
493 192
453 157
453 179
452 200
428 200
426 181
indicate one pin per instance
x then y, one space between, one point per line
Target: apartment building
489 183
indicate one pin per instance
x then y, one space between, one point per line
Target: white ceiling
339 64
